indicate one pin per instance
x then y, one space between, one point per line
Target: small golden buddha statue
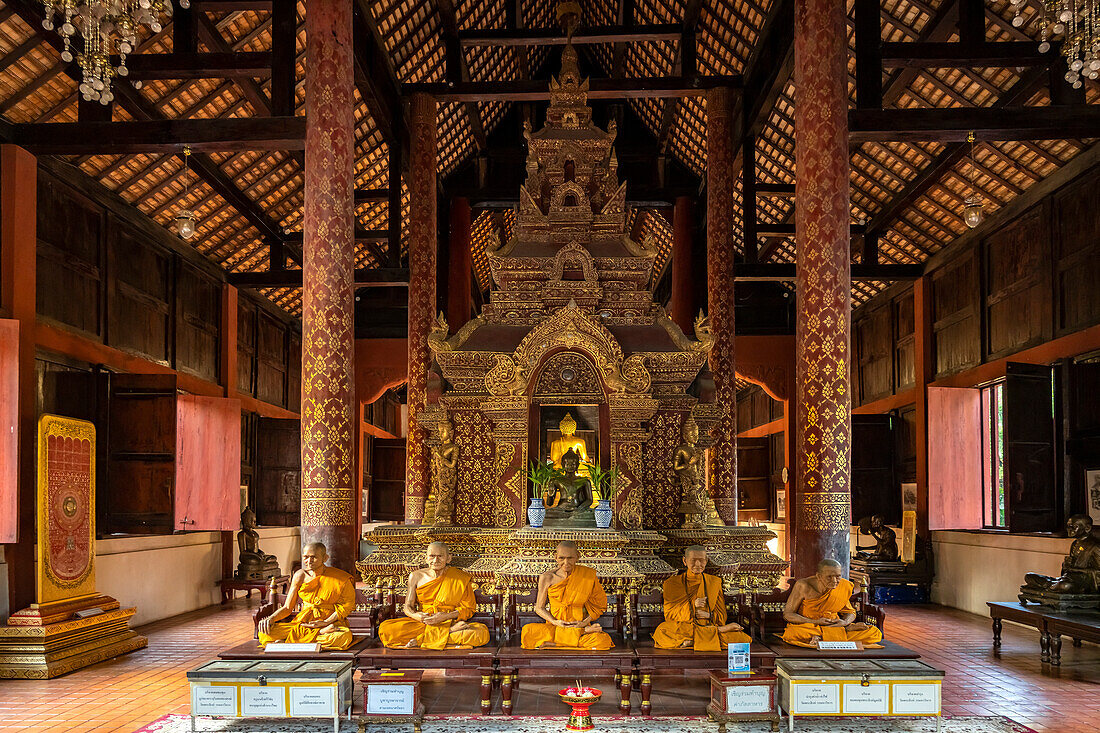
568 442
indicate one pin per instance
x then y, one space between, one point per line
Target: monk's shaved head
694 548
566 556
439 546
828 564
316 547
568 545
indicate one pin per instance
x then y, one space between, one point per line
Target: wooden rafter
599 88
458 71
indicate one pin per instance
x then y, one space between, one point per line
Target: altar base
45 641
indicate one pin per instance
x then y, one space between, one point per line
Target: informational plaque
738 654
317 702
749 699
871 699
839 646
292 647
815 698
264 701
914 698
390 699
214 700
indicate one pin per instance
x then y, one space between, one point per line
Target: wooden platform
252 650
890 650
1052 626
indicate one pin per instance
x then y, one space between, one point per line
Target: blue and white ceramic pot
603 514
536 513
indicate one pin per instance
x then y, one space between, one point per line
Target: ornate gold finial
569 16
568 425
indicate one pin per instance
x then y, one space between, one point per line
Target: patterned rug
553 724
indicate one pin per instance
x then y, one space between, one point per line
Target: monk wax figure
327 596
577 601
445 597
820 609
695 610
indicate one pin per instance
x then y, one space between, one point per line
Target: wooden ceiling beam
953 124
458 72
230 6
364 277
599 88
371 195
376 79
225 65
163 136
555 37
930 54
668 114
786 271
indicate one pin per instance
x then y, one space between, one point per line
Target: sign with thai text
319 702
815 698
748 699
213 700
738 654
872 699
268 701
839 646
390 699
916 698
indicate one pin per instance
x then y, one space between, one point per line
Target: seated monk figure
445 596
327 596
1080 568
820 609
695 610
577 601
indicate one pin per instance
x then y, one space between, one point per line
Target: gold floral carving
552 380
504 511
825 510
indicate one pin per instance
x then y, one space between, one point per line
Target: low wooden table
1034 616
253 650
230 586
1077 626
652 660
618 661
376 656
889 650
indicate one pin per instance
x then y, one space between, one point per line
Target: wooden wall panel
294 372
904 342
1017 281
875 354
246 346
198 313
9 430
875 486
140 312
754 492
956 339
1076 211
278 486
954 458
70 257
271 350
208 463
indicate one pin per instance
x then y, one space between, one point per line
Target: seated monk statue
254 564
577 601
695 610
445 597
885 548
327 596
1080 568
820 609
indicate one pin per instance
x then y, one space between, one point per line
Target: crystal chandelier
1077 22
108 27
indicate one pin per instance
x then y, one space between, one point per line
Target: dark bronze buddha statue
1080 570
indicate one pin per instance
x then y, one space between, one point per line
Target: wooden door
9 430
141 451
277 492
1031 491
875 486
1081 400
954 458
754 492
208 463
387 490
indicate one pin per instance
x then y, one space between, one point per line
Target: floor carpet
547 724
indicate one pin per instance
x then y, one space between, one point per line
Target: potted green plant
539 474
604 484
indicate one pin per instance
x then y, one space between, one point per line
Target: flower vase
603 513
536 513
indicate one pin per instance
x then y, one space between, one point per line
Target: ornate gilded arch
574 254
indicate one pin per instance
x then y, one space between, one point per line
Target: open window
1030 481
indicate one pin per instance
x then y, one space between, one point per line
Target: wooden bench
229 586
1051 625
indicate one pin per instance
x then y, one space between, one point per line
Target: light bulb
185 4
185 224
67 56
1044 47
972 211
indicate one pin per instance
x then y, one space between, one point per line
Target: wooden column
823 425
328 327
723 451
422 283
459 289
683 305
18 243
924 372
227 372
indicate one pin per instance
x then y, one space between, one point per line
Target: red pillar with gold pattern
682 305
328 328
422 279
822 489
723 451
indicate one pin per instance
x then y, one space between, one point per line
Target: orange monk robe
320 597
573 599
680 624
830 605
451 591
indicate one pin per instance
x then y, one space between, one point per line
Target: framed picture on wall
1092 494
781 503
909 497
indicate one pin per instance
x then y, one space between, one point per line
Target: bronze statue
254 564
886 547
568 490
1080 570
687 463
444 477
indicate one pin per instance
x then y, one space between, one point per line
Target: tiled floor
126 693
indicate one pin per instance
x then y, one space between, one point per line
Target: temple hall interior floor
126 693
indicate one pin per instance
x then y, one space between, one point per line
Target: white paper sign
815 698
916 699
295 647
869 700
208 700
838 645
269 701
390 700
748 699
318 702
738 656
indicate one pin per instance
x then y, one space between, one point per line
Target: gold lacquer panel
66 508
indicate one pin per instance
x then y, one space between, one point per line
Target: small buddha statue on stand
569 495
886 547
254 564
687 463
439 510
1079 584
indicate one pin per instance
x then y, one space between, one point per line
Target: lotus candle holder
580 698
